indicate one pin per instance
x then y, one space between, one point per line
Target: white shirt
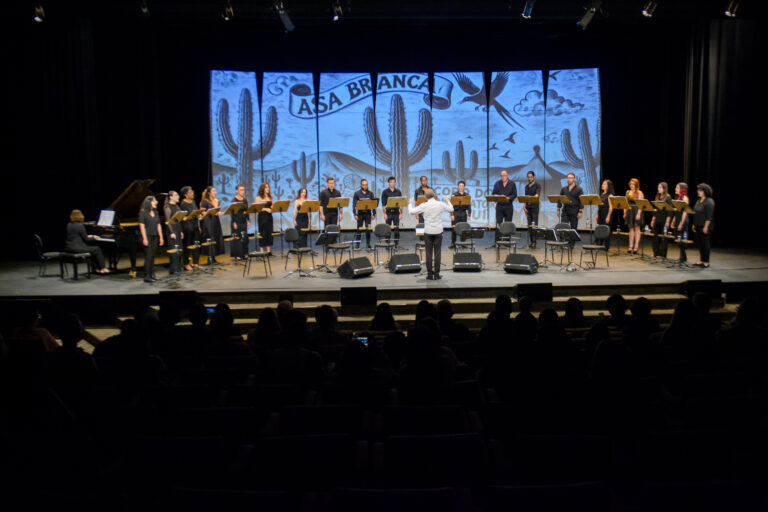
432 209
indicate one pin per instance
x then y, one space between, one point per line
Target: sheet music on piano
106 218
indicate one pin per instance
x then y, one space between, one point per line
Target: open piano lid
127 204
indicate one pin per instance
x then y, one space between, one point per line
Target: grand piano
123 233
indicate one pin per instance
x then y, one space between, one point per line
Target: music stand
571 236
529 201
210 214
176 250
310 207
233 208
364 205
396 202
560 201
590 201
619 203
326 239
645 206
550 239
280 207
497 199
338 203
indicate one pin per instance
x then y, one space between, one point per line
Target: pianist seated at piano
80 241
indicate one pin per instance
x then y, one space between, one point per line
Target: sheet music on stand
106 218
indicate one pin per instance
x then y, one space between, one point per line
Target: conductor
432 210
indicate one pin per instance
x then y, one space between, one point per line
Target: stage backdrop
448 126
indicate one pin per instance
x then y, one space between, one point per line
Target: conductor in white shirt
433 210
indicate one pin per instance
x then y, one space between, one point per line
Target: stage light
144 7
591 11
338 12
39 13
649 8
732 9
282 13
228 13
528 9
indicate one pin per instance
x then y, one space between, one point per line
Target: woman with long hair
151 235
703 218
301 221
264 220
211 225
240 222
661 220
605 210
175 234
634 216
679 222
190 229
80 241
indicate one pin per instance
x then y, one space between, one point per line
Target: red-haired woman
80 241
634 216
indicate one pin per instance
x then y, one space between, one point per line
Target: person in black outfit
504 211
703 218
605 210
571 212
175 233
330 216
661 220
679 222
363 218
151 235
265 220
460 213
393 215
532 189
240 224
211 225
190 230
420 191
79 241
301 221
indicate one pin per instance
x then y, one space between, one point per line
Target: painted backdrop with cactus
448 126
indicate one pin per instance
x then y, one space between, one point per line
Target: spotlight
228 13
649 8
338 12
732 9
144 8
591 11
528 9
283 15
39 13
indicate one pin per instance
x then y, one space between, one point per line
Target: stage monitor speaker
537 292
467 262
356 267
521 264
358 296
185 299
712 287
402 263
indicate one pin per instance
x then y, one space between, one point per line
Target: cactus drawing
276 190
241 146
300 174
224 180
460 172
588 161
397 157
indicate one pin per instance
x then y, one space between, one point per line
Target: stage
19 279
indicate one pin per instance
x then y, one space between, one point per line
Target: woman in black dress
240 224
211 225
301 220
605 210
190 230
265 217
661 222
151 235
175 234
80 241
634 216
679 223
703 217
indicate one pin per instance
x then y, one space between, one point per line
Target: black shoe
437 276
149 280
430 277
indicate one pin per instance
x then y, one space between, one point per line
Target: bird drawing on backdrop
553 75
492 147
477 95
506 155
511 137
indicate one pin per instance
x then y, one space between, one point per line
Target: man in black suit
504 211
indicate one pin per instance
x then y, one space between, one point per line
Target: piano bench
75 258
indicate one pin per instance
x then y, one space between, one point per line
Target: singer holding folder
240 224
